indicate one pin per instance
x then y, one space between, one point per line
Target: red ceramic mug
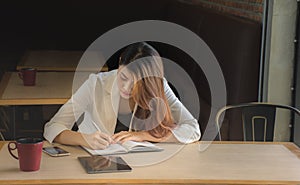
29 152
28 76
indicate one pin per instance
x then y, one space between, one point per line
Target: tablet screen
103 164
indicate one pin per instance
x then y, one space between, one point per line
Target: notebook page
134 146
111 149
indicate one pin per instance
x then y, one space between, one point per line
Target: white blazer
98 98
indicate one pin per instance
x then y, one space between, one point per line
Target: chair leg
2 137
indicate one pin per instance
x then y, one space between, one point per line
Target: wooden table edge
143 181
34 101
289 145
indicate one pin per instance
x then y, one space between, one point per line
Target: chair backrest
258 119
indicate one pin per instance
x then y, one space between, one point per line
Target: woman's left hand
129 136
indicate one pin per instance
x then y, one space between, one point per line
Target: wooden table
54 60
51 88
221 163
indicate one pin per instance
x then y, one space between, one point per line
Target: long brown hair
148 90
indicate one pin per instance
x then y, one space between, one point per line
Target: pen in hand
101 138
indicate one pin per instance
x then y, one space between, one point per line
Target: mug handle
10 148
20 75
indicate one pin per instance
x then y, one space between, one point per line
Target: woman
135 95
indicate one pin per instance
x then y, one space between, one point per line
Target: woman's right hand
97 140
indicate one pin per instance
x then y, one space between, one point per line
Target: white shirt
98 98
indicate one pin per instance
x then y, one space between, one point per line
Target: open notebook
126 147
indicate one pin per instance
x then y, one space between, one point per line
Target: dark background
74 25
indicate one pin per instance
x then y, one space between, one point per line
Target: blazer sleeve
187 129
68 114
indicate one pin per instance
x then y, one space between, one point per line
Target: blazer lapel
111 102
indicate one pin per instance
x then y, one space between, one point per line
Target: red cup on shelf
28 75
29 152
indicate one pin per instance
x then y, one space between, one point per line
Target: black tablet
104 164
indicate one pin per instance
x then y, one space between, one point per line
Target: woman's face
125 82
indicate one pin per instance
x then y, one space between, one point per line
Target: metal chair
1 137
258 119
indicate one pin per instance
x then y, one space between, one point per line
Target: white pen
95 125
98 129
